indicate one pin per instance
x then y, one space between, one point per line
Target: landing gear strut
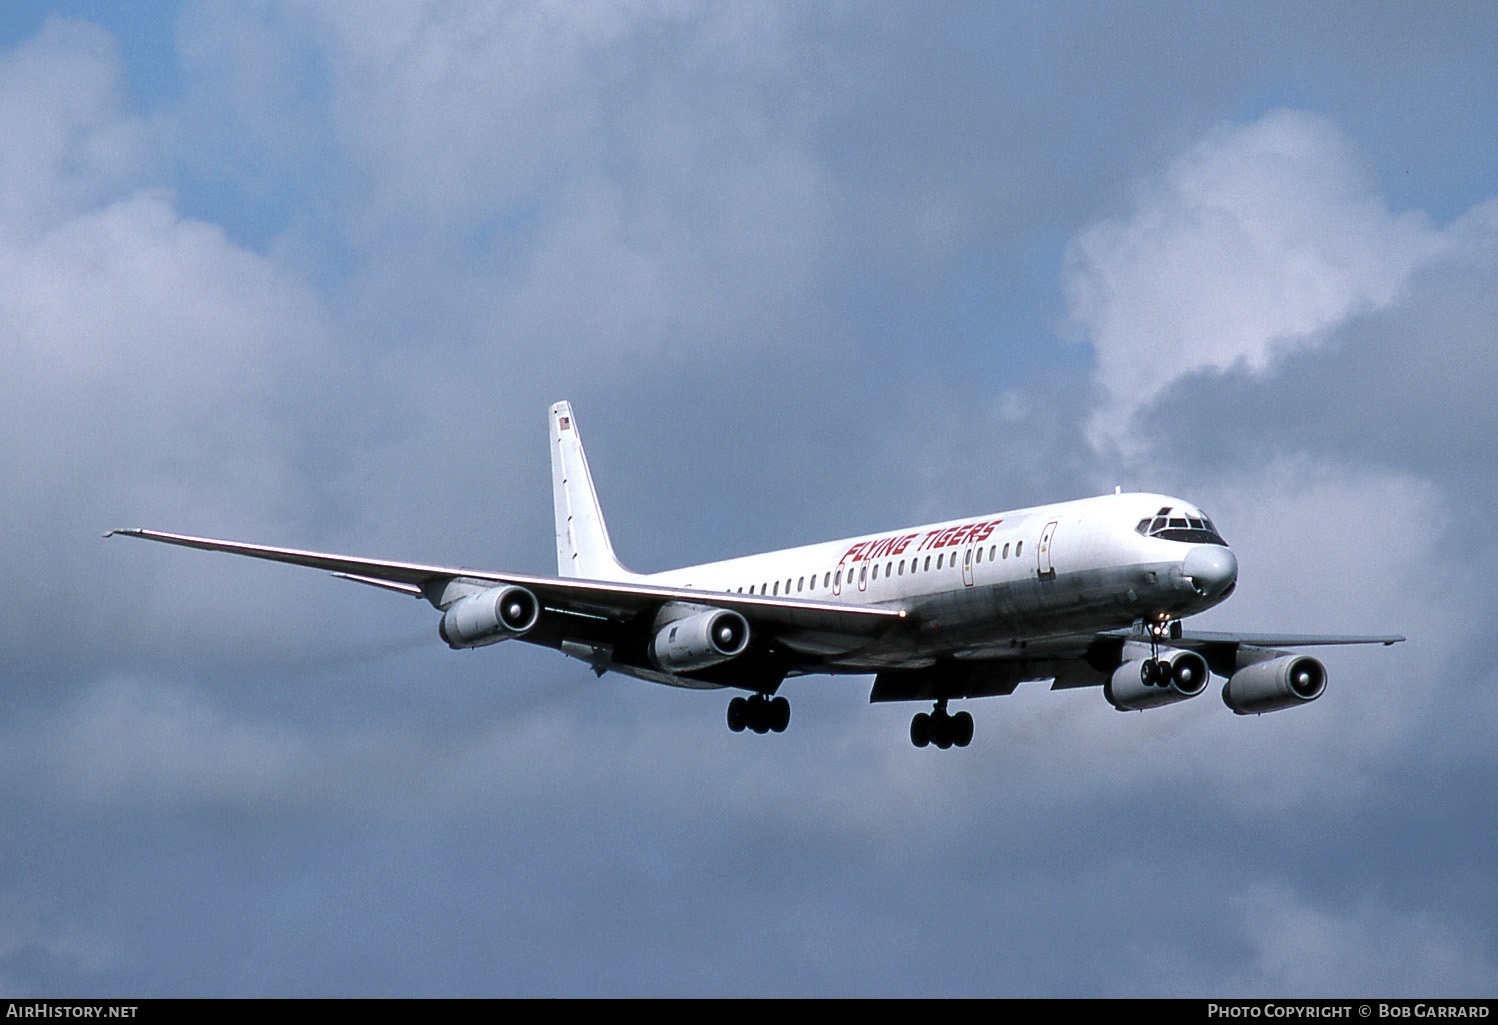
759 713
939 728
1152 671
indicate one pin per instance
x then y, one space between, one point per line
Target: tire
962 729
941 731
780 714
920 729
736 715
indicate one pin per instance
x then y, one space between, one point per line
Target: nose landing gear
1152 671
939 728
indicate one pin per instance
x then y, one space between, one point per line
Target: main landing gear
939 728
759 713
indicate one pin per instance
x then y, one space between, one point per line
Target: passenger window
901 570
827 579
876 571
863 573
777 587
887 567
1006 549
991 550
980 555
939 558
801 585
1017 546
928 564
751 588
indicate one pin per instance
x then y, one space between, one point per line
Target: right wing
588 612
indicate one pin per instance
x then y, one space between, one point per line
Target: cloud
1251 245
1307 948
139 746
154 368
68 141
1403 387
33 933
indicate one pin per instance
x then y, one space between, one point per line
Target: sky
310 274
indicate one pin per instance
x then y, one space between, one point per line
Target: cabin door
1043 552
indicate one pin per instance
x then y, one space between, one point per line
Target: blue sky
310 274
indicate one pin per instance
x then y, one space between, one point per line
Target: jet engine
489 617
1175 676
700 640
1278 683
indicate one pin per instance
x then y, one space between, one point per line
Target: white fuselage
981 584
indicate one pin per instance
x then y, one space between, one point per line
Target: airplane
1082 593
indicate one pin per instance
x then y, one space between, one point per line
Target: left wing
1197 639
1090 660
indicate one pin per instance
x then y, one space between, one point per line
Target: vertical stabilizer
583 546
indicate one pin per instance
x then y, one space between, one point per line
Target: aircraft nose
1213 569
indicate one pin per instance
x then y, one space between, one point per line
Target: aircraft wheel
737 714
941 731
962 729
920 729
1147 672
780 714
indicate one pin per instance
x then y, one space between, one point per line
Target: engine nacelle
699 641
1282 682
489 617
1186 675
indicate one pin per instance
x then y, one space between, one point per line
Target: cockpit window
1181 525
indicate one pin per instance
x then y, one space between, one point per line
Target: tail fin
583 546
